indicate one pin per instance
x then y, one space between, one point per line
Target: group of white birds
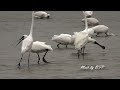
78 39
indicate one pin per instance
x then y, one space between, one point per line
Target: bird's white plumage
100 29
41 14
81 40
82 37
90 40
27 44
39 47
88 13
28 41
90 31
64 39
91 21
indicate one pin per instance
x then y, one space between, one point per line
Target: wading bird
41 15
81 40
27 42
91 21
63 39
100 29
39 47
88 14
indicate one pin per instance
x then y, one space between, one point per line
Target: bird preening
41 15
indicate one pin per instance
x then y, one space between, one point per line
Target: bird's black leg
44 57
38 58
97 34
83 51
66 46
20 60
78 54
58 45
106 34
28 58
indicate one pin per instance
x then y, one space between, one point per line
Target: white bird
63 39
88 14
84 37
99 29
91 21
81 40
27 42
39 47
41 15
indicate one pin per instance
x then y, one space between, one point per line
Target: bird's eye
23 37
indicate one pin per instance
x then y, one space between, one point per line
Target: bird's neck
32 24
86 23
31 30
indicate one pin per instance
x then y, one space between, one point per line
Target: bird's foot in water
38 62
83 54
45 60
19 66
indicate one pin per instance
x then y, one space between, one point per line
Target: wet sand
64 62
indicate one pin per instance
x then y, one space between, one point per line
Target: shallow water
64 62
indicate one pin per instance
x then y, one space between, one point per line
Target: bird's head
89 16
48 15
21 39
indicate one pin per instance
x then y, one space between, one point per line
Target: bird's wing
40 46
40 13
81 40
40 42
92 20
62 38
26 45
65 35
88 12
55 37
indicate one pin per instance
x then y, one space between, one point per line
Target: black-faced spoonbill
41 15
88 14
100 29
27 42
81 40
63 39
91 21
39 47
